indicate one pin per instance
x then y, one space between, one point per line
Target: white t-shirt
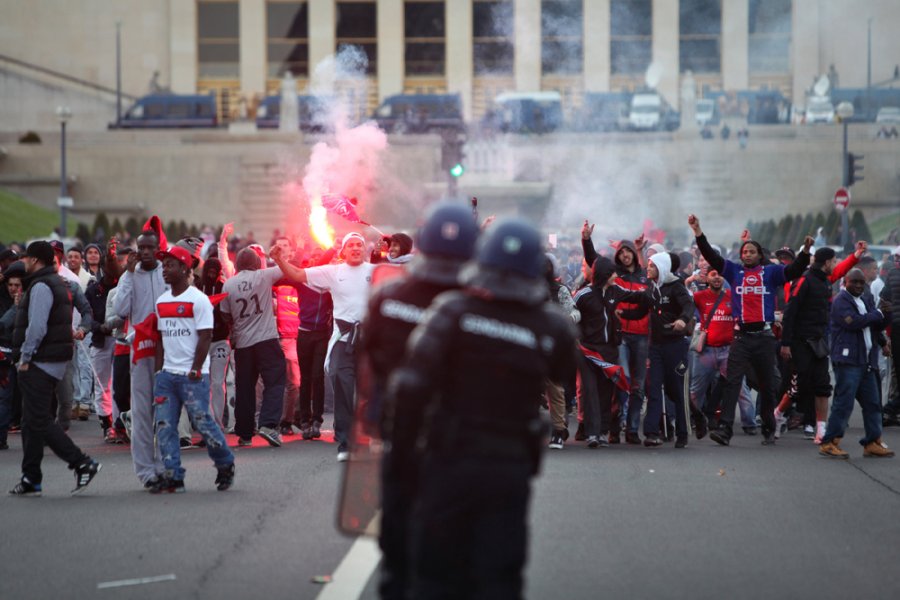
349 287
179 318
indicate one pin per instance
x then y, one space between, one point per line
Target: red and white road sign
842 198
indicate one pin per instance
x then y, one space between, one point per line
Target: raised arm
798 267
587 246
714 259
294 274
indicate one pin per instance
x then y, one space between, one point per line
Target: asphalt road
707 522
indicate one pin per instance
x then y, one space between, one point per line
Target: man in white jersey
349 284
185 322
257 350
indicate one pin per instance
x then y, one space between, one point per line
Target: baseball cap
57 246
351 236
43 251
178 253
785 251
9 253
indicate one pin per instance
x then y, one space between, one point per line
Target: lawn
880 228
21 220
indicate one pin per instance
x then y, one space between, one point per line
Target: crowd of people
175 345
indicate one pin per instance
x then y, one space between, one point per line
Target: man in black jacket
445 242
42 341
478 364
803 340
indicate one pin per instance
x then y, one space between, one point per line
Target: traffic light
452 156
854 169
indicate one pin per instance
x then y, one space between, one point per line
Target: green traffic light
457 170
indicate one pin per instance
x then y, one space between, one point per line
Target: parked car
888 115
420 113
159 111
650 112
312 113
706 113
603 111
528 112
819 109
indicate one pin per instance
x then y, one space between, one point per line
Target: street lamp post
64 113
845 112
118 74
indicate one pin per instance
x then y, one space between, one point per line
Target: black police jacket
479 366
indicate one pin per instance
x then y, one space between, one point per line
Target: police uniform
469 396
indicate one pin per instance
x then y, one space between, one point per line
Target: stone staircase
706 187
262 208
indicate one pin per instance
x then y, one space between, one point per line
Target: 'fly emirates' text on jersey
179 318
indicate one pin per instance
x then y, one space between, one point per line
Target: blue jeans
633 358
853 382
170 393
706 367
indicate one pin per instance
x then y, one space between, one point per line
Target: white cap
350 236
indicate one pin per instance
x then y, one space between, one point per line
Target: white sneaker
343 456
820 432
780 424
809 432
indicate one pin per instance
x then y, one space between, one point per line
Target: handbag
819 347
698 338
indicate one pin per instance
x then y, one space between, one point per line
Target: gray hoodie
138 292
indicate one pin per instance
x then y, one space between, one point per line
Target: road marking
350 578
139 581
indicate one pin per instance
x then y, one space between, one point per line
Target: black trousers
263 359
39 427
470 530
122 382
311 349
597 396
751 352
813 379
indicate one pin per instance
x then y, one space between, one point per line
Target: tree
117 227
860 227
794 232
806 226
819 221
171 230
831 225
101 229
783 231
133 227
83 233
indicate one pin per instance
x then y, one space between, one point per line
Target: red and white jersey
179 318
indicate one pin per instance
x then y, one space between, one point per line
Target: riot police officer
469 395
445 242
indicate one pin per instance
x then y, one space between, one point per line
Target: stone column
322 35
735 44
665 48
253 47
805 43
459 53
597 65
391 67
527 31
182 46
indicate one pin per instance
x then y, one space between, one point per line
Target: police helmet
512 245
449 230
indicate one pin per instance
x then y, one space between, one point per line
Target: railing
63 76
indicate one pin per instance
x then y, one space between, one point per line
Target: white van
646 112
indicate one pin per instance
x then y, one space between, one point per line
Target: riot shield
360 496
